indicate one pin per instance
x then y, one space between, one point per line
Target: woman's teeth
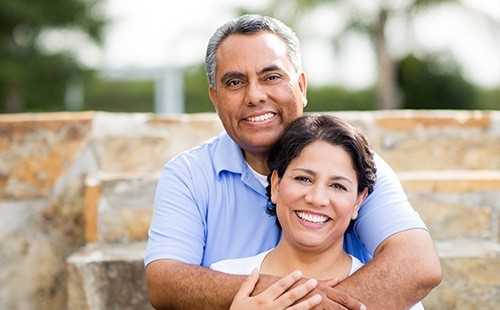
313 218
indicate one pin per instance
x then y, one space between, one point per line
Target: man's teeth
313 218
260 118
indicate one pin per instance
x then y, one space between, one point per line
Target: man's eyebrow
270 68
231 75
235 74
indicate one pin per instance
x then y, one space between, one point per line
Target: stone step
105 276
441 140
471 276
118 207
456 204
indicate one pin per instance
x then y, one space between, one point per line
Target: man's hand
332 298
277 296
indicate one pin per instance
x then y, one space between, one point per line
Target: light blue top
209 206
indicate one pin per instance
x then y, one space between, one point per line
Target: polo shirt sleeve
178 226
386 211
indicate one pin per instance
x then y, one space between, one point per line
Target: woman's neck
329 264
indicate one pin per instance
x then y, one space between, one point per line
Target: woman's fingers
297 293
248 286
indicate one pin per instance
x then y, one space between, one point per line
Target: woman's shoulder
241 266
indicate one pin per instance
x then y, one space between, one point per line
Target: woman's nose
317 196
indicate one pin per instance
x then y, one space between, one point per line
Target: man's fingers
333 282
309 303
345 300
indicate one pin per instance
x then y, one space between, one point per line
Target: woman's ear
275 182
357 205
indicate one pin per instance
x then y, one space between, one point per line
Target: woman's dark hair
328 128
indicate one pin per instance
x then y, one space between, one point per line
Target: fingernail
363 307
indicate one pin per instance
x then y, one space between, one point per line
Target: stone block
37 149
456 204
471 278
119 208
437 140
143 143
104 276
36 238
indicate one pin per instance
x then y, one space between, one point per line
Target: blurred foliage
434 83
32 78
119 96
335 98
196 90
371 20
35 78
427 83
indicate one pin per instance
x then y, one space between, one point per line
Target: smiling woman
322 170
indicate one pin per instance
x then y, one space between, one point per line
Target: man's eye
234 83
273 77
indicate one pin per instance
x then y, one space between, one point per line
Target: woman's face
317 197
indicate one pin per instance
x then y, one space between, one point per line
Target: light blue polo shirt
209 206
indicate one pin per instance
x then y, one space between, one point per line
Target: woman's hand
277 296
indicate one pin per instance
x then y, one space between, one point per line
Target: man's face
258 91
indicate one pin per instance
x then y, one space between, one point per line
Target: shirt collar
228 156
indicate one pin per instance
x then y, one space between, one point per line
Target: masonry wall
68 180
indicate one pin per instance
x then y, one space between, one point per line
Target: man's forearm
404 270
176 285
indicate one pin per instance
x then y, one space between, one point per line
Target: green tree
434 82
371 18
32 77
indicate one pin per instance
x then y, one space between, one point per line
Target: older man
210 200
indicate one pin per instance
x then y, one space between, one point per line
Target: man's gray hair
247 25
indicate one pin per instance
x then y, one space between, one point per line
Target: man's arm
176 285
404 270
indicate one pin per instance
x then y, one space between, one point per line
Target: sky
147 34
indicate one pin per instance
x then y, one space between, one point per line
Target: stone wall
78 188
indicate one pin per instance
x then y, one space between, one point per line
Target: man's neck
258 162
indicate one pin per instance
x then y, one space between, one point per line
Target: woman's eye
303 179
339 186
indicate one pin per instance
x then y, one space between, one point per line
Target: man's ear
303 87
275 183
357 205
213 97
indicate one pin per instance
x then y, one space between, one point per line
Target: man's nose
255 94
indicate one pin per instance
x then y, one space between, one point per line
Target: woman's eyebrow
333 177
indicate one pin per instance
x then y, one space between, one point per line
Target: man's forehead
249 42
264 51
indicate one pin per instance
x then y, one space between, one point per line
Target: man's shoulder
203 151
